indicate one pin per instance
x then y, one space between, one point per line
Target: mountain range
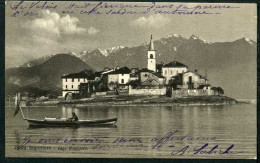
230 65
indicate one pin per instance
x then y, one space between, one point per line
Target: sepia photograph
100 79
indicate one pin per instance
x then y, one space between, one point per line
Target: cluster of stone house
173 74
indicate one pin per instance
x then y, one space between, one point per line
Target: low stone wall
101 93
123 92
191 92
152 91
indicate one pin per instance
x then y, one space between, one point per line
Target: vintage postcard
93 79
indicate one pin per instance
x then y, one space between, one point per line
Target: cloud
52 25
93 31
68 25
47 34
153 21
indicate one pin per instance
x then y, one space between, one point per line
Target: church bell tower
151 65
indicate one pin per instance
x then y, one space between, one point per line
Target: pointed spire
151 47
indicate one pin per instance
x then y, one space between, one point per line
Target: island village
173 79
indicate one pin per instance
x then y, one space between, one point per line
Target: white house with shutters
71 82
172 69
119 76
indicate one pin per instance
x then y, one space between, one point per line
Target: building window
66 86
165 72
84 80
72 86
78 79
66 79
122 74
72 79
190 79
151 56
122 80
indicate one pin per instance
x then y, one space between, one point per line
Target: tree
96 84
134 83
111 83
169 92
102 87
218 90
172 83
114 84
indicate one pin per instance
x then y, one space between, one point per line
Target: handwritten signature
204 150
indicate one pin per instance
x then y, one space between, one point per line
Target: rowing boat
63 122
56 122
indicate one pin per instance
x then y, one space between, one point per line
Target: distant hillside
230 65
44 77
40 60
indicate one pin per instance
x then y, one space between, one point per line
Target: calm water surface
141 126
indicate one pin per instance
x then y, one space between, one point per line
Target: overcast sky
52 32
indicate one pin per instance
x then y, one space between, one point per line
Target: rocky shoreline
140 101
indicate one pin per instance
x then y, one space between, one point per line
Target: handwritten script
167 142
116 8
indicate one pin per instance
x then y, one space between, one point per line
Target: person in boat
74 117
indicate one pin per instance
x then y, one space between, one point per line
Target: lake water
140 127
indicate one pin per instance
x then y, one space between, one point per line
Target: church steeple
151 62
151 47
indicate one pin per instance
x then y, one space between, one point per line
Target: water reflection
67 112
229 124
17 137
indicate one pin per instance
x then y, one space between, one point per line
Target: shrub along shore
139 100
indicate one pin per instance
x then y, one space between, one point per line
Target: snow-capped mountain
251 42
104 52
113 49
196 37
